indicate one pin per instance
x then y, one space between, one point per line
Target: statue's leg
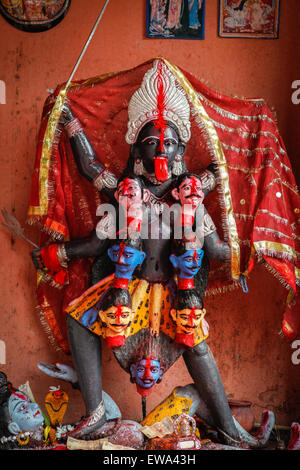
204 371
87 356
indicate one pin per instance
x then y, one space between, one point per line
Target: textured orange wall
255 363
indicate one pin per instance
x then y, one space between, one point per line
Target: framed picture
249 19
175 19
34 16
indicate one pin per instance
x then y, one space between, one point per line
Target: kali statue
151 248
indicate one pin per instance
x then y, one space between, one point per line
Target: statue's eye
169 142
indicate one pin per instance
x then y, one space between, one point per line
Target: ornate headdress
158 97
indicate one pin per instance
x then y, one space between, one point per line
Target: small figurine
56 403
187 439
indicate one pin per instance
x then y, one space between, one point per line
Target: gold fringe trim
222 290
235 117
47 148
277 275
47 329
219 157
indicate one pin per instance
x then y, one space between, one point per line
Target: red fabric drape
265 201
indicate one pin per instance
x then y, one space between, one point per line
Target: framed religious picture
34 16
175 19
249 19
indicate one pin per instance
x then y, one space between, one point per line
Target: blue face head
188 264
126 259
24 415
146 372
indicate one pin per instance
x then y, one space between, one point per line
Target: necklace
22 438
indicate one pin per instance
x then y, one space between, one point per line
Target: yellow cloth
151 303
173 406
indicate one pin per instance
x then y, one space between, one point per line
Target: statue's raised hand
66 114
59 371
37 259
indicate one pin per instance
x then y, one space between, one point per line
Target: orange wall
255 363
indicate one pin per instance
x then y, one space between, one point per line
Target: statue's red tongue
161 168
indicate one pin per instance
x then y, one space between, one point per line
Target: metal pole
87 44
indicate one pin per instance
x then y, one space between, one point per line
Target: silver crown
143 107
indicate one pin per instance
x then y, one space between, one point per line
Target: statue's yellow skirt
150 301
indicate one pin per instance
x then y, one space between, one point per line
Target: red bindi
119 312
126 184
192 315
147 367
194 185
121 252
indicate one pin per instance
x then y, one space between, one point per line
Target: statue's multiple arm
216 248
88 247
88 164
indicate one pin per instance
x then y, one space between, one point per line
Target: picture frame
176 19
249 19
34 16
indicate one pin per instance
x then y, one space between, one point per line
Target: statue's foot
230 441
89 424
265 429
294 443
261 437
